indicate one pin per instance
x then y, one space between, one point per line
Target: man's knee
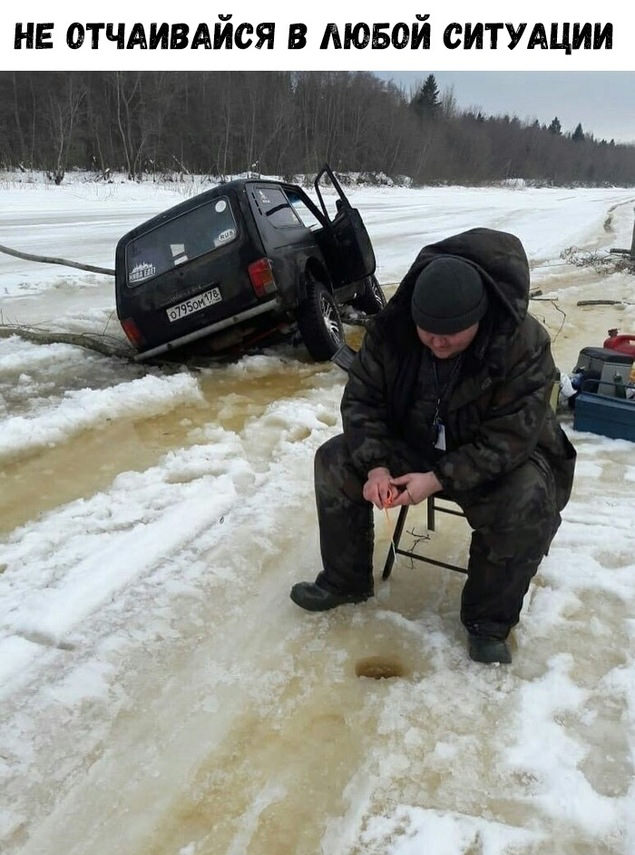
330 455
334 471
524 497
528 500
517 517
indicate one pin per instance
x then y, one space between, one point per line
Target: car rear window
194 233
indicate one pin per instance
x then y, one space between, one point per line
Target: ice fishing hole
379 668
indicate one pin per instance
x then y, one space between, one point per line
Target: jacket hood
500 259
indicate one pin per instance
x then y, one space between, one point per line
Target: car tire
372 299
319 322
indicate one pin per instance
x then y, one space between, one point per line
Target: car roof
236 186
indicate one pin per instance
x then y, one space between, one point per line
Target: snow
60 417
160 693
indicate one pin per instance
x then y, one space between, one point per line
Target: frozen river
161 695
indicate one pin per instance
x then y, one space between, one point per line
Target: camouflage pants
513 519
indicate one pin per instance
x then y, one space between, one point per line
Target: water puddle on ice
269 790
281 770
89 461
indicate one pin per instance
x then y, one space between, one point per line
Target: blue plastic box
608 416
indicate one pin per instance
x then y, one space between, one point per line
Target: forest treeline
283 123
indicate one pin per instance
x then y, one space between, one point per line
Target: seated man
450 391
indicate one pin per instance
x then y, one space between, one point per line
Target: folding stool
394 549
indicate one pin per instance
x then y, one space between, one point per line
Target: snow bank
90 408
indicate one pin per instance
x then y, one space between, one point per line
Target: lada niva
238 260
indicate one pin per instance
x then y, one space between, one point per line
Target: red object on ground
623 343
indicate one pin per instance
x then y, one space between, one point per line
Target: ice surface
159 691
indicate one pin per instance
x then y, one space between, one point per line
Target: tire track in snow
250 478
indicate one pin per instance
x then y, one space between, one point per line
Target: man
450 391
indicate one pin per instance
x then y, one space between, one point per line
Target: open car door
347 247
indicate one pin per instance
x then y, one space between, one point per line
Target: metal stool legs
394 549
396 537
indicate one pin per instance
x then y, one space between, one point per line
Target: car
235 262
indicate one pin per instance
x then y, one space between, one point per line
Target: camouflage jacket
497 414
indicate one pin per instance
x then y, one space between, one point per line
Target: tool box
604 375
591 360
595 363
605 415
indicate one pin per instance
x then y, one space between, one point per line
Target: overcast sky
603 101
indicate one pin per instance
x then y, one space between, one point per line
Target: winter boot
488 650
313 598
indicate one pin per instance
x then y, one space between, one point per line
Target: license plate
194 304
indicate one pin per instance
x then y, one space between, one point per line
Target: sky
602 101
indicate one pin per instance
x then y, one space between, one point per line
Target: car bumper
231 321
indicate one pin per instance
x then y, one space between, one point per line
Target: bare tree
126 87
282 123
64 103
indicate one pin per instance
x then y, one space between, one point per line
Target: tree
126 96
287 123
449 106
578 134
555 127
426 101
65 99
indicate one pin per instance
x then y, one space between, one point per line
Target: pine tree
426 102
578 134
555 127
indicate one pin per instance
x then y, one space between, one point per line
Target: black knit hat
448 297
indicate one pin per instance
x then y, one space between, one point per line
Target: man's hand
415 487
380 488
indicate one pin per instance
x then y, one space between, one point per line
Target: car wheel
372 299
319 322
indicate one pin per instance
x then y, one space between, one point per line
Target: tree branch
46 259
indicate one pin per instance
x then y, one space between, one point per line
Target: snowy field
159 692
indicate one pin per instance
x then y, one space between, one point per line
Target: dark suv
235 262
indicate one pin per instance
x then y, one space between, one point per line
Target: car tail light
261 275
133 332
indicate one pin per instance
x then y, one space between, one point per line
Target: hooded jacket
497 414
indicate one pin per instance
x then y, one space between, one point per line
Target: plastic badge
440 441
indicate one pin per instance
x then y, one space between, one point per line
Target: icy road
159 692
